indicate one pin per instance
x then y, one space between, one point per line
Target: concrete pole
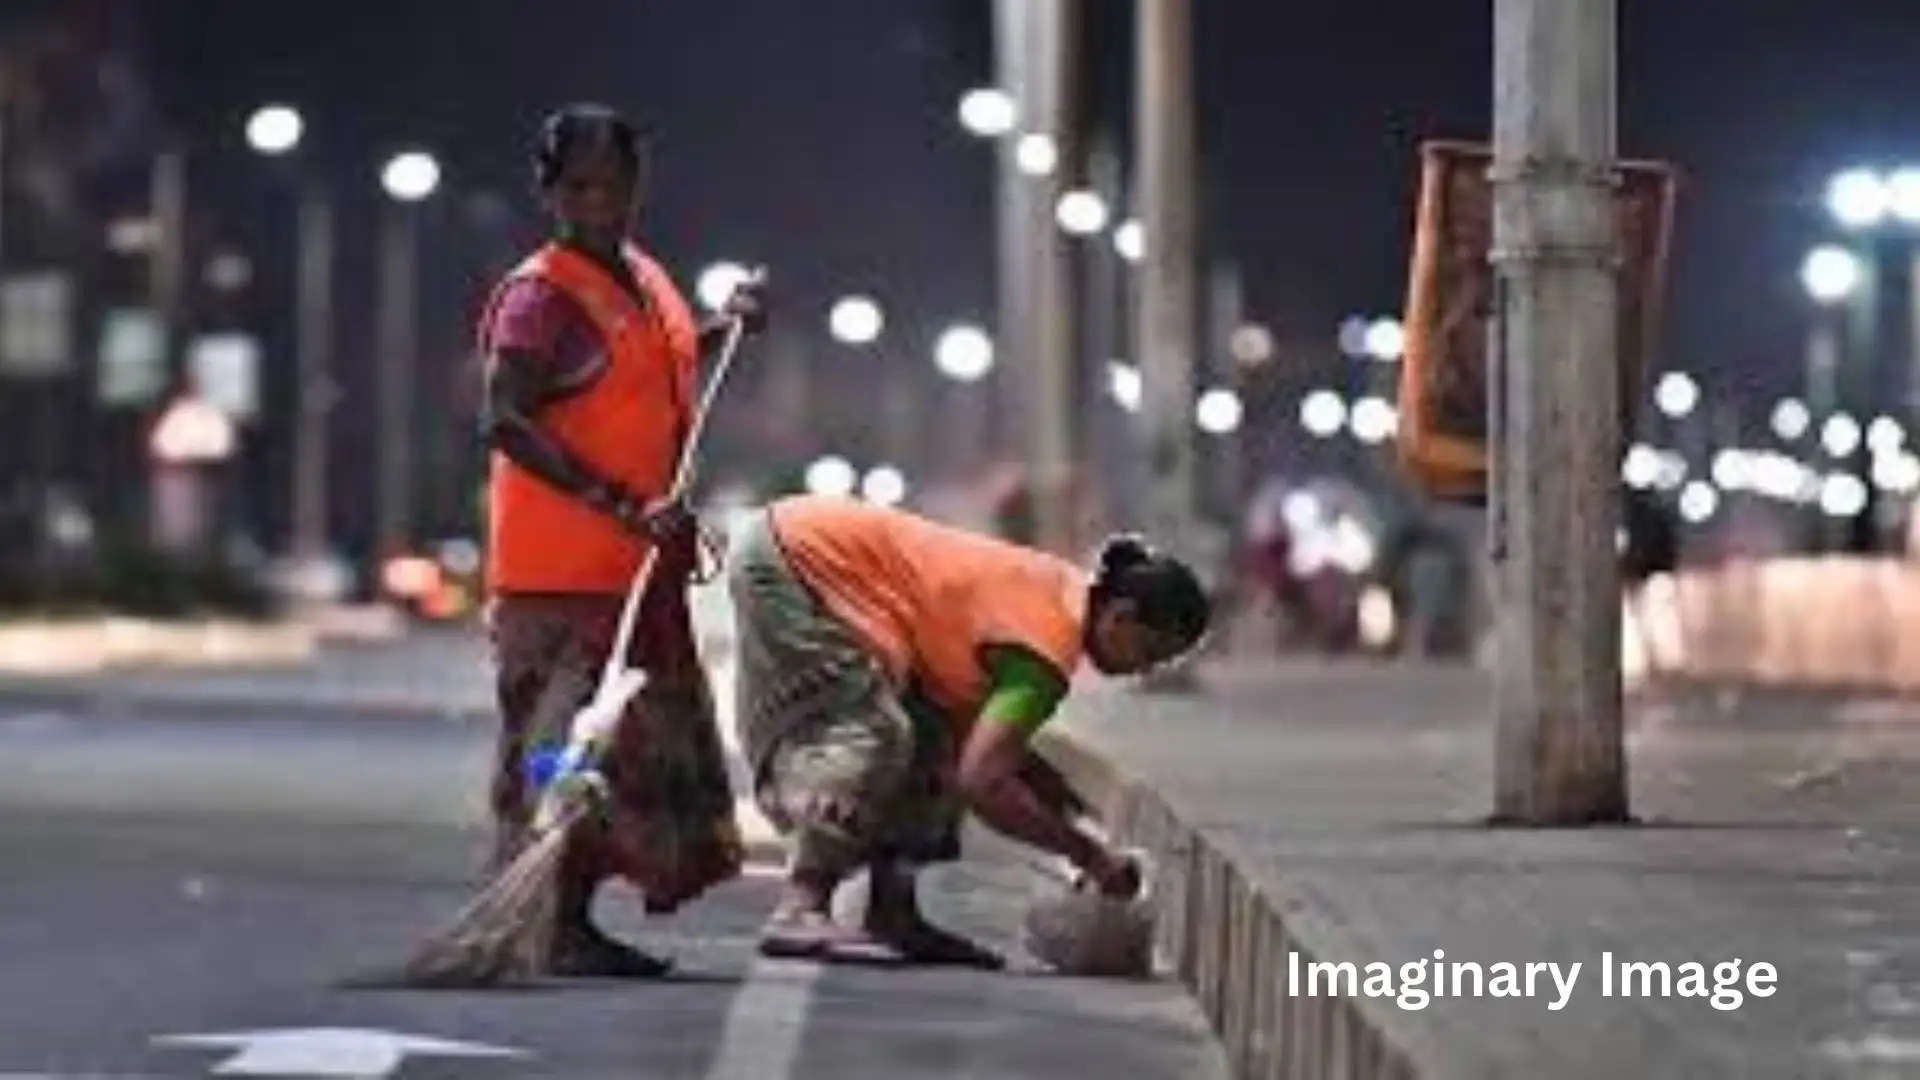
1559 758
1013 279
1051 438
167 266
1165 315
314 390
398 353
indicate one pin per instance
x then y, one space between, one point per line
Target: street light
1903 195
1250 345
1218 411
1676 394
1373 420
274 129
1842 495
1323 413
1036 154
410 176
1840 435
1857 199
831 475
855 320
1641 469
717 283
1885 436
884 485
1081 212
1353 336
1698 501
963 353
988 112
1791 418
1130 240
1385 339
1124 382
1830 273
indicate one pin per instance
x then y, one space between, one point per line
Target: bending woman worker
891 672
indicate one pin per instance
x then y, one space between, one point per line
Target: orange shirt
626 425
927 598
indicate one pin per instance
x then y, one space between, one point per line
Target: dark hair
1166 594
573 125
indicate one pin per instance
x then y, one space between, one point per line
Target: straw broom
504 934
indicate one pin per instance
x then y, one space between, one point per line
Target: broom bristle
504 934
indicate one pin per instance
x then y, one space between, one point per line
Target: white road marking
761 1038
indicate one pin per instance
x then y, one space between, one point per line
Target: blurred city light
884 485
1791 418
1353 546
1842 495
988 112
1218 411
1036 154
410 176
274 129
1301 510
1323 413
1124 382
1386 339
1840 435
1698 501
1778 476
831 475
1081 212
1676 394
855 320
1670 470
1830 274
1732 469
1250 345
1898 472
132 235
1857 199
1375 617
1353 336
1903 195
409 577
717 282
1373 420
1885 435
1641 467
1130 240
963 352
192 431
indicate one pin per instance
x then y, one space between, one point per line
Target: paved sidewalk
1336 811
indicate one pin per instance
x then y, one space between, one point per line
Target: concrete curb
1227 939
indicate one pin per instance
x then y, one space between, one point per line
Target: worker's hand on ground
1114 874
748 303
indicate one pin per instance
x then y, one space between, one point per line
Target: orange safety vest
928 598
627 426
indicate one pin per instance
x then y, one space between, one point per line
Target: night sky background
820 137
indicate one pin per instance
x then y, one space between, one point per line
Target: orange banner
1443 376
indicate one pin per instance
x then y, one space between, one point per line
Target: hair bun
1120 552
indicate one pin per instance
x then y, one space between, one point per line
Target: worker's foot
804 934
921 942
584 951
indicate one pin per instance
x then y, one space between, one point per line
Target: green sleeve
1023 689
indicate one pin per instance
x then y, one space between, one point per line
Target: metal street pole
1165 315
314 391
1016 194
166 270
398 352
1054 40
1555 354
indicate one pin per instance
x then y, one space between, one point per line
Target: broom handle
682 480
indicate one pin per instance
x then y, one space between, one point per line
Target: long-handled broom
504 934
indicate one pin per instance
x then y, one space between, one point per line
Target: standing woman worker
591 378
